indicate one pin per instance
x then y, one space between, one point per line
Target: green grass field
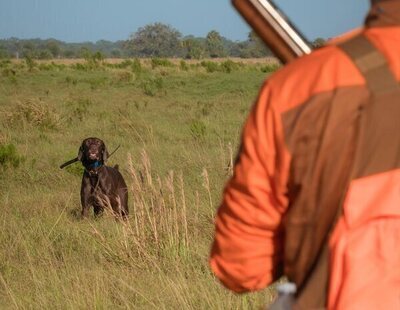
178 125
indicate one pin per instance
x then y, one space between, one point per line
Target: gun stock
284 40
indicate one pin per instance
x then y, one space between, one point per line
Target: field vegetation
178 124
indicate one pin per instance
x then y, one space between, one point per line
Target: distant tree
28 50
116 53
236 49
215 46
104 43
232 48
44 54
155 40
84 52
14 47
54 48
98 56
193 48
254 47
3 52
69 53
318 42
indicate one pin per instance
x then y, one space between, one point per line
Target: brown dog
101 185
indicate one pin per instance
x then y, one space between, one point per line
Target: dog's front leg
85 196
85 208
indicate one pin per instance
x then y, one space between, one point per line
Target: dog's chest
97 192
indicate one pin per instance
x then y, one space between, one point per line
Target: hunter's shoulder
323 70
324 67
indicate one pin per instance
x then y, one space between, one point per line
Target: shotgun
274 28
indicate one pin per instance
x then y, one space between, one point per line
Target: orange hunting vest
319 165
363 189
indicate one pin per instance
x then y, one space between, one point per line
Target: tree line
152 40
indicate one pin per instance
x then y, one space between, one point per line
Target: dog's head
93 150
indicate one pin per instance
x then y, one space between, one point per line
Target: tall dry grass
181 134
159 210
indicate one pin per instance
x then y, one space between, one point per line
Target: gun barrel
274 29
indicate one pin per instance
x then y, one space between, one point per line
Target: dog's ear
80 153
105 153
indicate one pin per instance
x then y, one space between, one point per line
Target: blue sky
92 20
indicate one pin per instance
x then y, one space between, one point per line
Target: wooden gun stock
284 40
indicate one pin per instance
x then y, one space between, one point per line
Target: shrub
36 113
9 156
93 59
151 85
30 63
210 66
58 66
97 82
136 66
124 64
80 107
161 62
7 72
79 66
197 129
124 76
4 63
269 68
71 80
228 66
183 65
45 67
